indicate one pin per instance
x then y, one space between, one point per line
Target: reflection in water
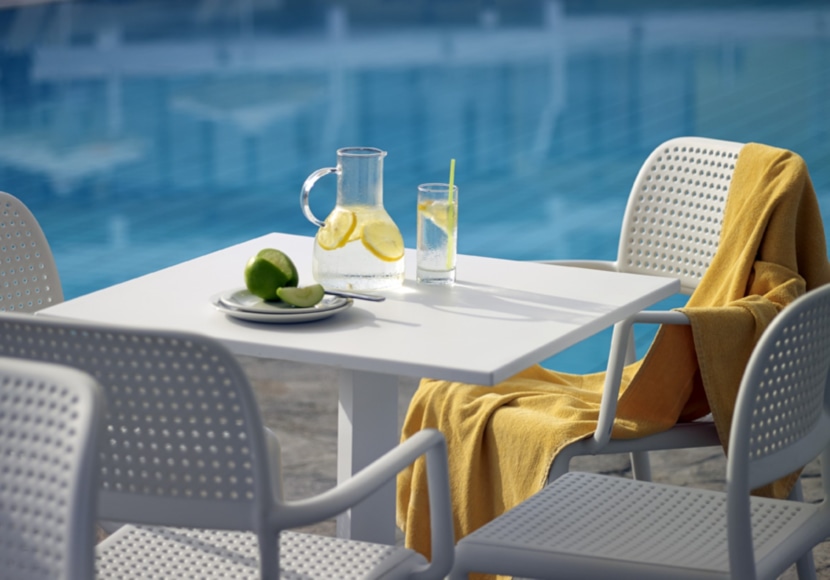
192 126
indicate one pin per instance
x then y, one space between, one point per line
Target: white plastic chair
597 526
671 228
29 278
186 447
50 418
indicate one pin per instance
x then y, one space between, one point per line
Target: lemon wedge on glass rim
337 230
384 240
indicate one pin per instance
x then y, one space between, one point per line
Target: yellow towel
502 439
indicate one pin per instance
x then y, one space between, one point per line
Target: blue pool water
142 136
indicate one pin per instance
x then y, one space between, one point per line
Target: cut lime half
268 270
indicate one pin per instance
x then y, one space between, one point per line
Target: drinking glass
437 233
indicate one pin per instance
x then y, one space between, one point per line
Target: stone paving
299 402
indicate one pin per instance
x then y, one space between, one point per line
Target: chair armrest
622 349
661 317
384 469
605 265
617 359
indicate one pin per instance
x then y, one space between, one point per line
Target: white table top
499 318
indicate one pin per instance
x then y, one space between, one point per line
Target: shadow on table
484 301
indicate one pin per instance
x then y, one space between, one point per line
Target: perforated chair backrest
675 210
781 420
184 442
50 420
29 277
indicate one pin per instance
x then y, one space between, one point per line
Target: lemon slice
384 240
357 231
336 231
441 213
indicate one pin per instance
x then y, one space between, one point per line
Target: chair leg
805 566
640 465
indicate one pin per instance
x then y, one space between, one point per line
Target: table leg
367 428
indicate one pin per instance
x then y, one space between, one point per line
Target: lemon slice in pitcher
336 231
384 240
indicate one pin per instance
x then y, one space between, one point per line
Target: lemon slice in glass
336 231
384 240
441 213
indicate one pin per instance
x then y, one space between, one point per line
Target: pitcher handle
309 183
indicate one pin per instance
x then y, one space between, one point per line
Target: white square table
499 318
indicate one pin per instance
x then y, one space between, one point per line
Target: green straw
451 227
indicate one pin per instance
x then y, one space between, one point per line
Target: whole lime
268 270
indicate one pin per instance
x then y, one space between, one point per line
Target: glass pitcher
358 246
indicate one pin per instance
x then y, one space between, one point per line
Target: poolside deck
299 402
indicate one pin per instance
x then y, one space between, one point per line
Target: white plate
242 299
241 304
